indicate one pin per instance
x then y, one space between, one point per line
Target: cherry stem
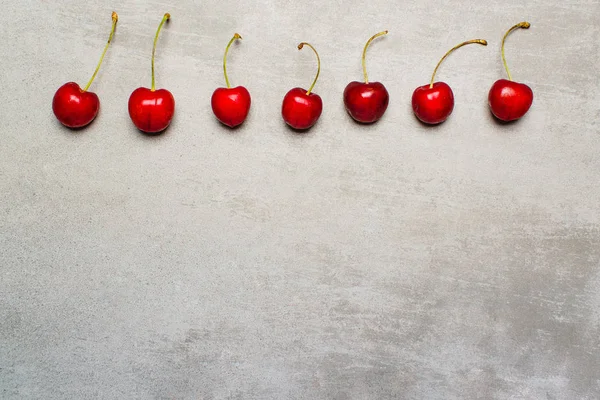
115 18
364 54
166 17
300 46
234 38
523 25
477 41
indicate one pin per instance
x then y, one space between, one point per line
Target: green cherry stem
477 41
523 25
233 39
166 17
364 54
300 46
115 18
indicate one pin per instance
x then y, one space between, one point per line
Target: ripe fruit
301 109
510 100
75 107
152 110
230 105
366 102
434 103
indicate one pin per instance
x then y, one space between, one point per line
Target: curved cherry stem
166 17
364 54
115 18
300 46
233 39
477 41
522 25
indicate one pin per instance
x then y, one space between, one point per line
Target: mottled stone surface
352 262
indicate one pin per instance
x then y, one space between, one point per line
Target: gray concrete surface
353 262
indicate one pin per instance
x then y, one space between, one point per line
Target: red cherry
301 109
433 103
510 100
75 107
152 110
366 102
230 105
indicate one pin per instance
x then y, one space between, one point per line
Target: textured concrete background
353 262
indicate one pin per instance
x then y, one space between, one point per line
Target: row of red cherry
151 110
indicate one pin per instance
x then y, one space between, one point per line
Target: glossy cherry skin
231 105
366 102
73 107
151 111
433 105
509 100
301 110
